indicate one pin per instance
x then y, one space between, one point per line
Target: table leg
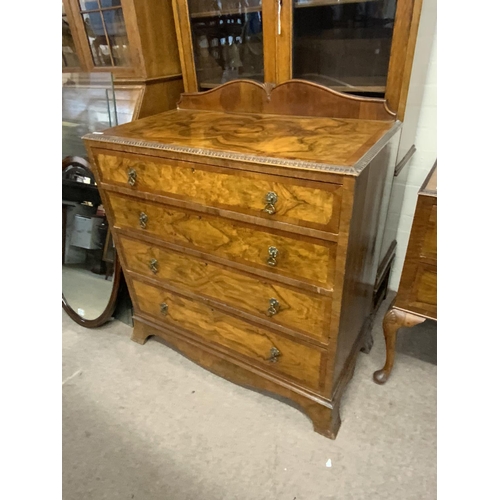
393 321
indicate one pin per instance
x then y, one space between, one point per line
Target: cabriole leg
393 321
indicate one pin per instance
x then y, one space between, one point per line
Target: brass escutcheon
143 219
132 176
164 308
271 200
273 255
274 307
274 355
153 263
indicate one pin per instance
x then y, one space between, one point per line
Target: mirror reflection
88 251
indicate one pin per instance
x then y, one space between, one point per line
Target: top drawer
303 203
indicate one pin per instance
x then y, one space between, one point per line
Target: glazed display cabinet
133 40
362 48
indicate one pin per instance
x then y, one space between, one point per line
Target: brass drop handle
143 219
153 263
274 307
132 176
163 308
273 255
274 354
271 200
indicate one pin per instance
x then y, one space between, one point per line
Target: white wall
421 106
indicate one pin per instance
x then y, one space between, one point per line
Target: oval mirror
91 271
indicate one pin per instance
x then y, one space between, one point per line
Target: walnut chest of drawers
248 223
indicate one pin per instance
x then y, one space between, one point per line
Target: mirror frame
117 275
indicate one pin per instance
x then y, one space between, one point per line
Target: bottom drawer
276 353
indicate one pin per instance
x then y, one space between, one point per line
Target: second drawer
305 312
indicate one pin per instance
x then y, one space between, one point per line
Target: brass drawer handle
274 307
163 308
273 255
153 263
143 219
132 176
271 200
274 354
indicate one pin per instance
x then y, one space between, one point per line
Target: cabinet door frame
401 57
80 50
72 8
186 50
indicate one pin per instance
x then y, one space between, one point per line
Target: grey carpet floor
145 423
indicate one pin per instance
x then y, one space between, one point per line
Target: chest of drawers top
222 127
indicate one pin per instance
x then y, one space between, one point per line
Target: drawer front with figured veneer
304 203
304 312
282 253
269 350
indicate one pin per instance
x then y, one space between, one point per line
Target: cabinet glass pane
88 105
106 32
227 40
343 44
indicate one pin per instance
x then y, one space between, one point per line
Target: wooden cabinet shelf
225 12
368 85
211 84
299 4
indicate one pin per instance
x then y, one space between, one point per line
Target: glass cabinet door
106 34
343 44
227 40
